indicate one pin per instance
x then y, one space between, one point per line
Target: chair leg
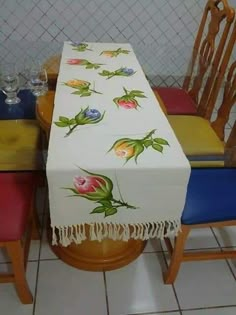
176 257
16 254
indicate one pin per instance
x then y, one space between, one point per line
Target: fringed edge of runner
65 235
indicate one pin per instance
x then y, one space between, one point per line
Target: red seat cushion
177 101
16 191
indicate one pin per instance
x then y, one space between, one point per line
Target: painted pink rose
93 187
87 184
127 104
74 61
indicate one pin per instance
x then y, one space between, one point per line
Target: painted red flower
93 187
74 61
127 104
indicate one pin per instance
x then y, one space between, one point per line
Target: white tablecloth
113 160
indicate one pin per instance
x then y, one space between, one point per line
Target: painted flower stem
122 204
71 130
95 91
149 135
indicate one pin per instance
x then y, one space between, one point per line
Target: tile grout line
226 260
209 307
39 253
106 293
173 287
159 312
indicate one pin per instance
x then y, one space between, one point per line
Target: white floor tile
199 239
214 311
9 301
63 289
205 284
232 262
46 252
169 313
33 252
139 288
226 236
153 246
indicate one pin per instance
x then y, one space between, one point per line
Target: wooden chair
16 218
52 66
44 111
201 140
210 202
206 59
19 145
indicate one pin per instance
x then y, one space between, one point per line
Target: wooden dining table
91 73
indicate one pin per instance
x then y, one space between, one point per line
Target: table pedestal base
99 256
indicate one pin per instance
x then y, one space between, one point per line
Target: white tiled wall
161 31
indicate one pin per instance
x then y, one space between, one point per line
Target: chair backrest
205 109
207 54
229 99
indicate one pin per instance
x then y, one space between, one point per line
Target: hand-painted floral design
86 116
114 53
98 188
125 72
127 148
128 100
84 62
82 87
80 46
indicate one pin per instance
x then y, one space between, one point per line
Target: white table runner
113 160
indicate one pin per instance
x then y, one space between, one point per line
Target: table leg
99 256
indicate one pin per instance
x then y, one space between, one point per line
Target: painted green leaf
147 143
140 96
104 72
99 209
138 150
63 119
161 141
110 211
79 116
76 92
86 94
157 147
72 121
105 203
61 124
137 91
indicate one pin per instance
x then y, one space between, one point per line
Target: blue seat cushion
211 196
23 110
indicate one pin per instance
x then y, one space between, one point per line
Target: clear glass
38 81
10 83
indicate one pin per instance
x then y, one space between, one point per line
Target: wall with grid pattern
161 31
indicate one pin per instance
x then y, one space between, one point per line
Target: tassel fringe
65 235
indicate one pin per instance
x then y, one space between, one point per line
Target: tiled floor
202 288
